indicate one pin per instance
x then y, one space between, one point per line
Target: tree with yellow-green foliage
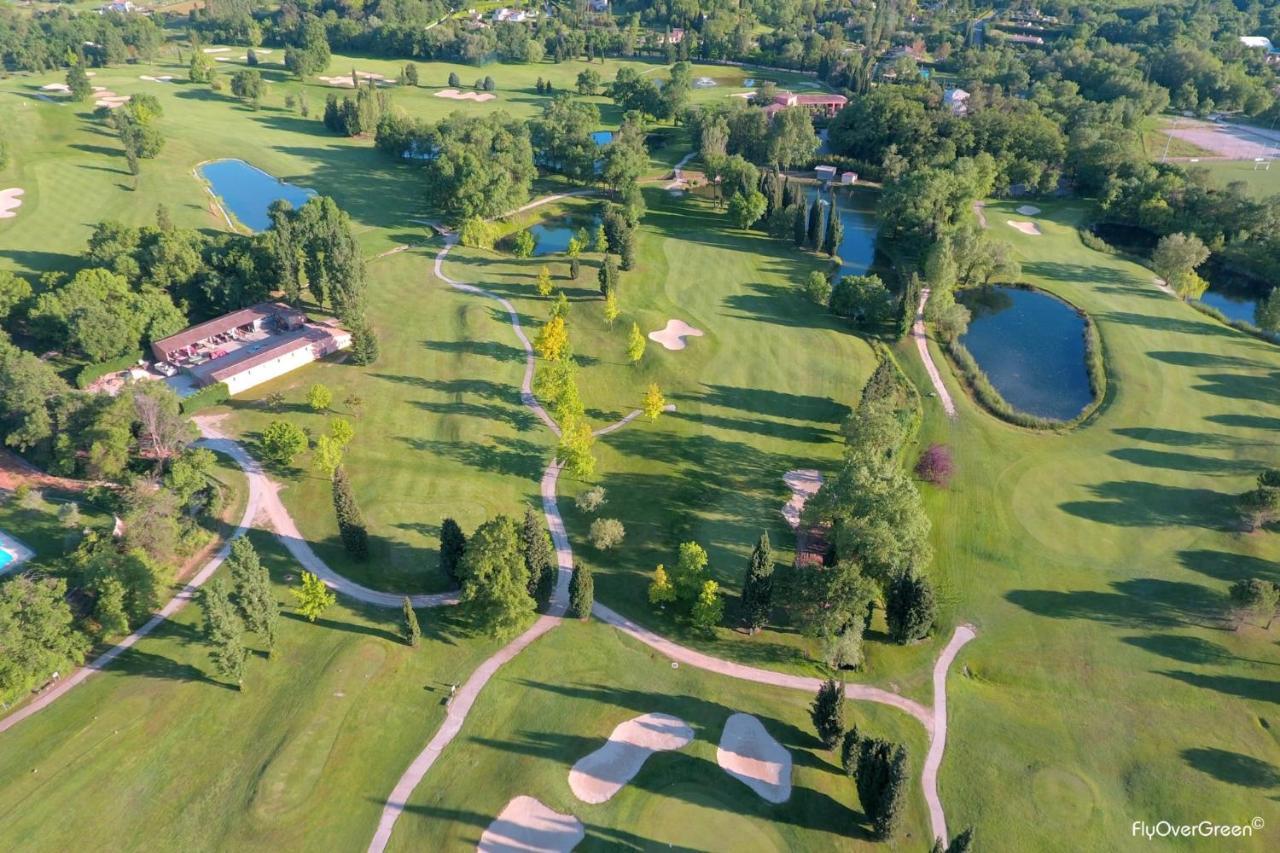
635 344
611 310
654 402
660 589
574 451
552 340
544 282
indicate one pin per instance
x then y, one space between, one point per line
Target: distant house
956 100
120 8
825 173
848 178
514 16
675 36
1262 43
248 347
1019 38
816 104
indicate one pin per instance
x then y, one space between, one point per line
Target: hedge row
210 395
91 373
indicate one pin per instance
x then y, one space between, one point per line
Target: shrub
936 466
606 533
591 500
581 592
210 395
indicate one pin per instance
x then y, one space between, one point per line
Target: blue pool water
5 558
1031 346
858 216
248 191
602 137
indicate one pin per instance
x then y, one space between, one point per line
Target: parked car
164 368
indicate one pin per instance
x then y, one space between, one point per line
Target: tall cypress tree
881 779
582 592
538 557
409 628
252 592
757 589
799 233
453 544
827 712
355 536
224 631
835 233
813 238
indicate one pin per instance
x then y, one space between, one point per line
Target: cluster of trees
785 141
688 587
561 136
135 122
358 115
42 41
643 94
506 569
245 605
556 384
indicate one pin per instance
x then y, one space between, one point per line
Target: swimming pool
12 553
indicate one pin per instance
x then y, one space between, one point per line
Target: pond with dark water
1032 347
857 208
247 191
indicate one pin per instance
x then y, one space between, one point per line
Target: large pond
247 191
1032 348
552 237
857 207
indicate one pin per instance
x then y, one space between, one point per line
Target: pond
857 206
247 191
1234 305
602 137
1032 347
552 237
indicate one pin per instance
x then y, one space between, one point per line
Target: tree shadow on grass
1183 461
1245 421
1175 437
516 457
1259 689
1076 273
519 418
781 305
1168 324
151 665
1182 648
1188 358
1226 566
489 349
774 404
1236 386
1233 767
1137 603
346 627
1132 503
759 426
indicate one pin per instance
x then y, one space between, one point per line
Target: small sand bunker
163 78
750 754
600 775
1025 227
672 335
55 87
345 81
528 824
217 50
455 95
1029 210
106 98
704 83
10 201
804 483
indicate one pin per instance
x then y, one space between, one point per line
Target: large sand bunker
804 483
10 201
750 754
600 775
455 95
344 80
1029 210
528 824
163 78
217 50
55 87
672 335
1025 227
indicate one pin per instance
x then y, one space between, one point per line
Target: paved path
922 344
287 532
179 601
938 733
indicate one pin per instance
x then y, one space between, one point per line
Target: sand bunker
804 483
528 824
1029 210
217 50
1025 227
344 80
10 201
600 775
163 78
704 83
55 87
455 95
672 336
750 754
109 99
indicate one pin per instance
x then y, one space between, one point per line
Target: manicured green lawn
1259 181
156 752
560 699
1103 687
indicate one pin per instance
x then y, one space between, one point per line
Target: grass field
1104 687
560 699
1260 183
156 752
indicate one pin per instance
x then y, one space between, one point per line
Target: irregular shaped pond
247 191
857 207
552 237
1234 305
1032 348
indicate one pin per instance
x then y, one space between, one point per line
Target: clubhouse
817 104
248 347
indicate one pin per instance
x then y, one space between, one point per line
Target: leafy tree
910 608
453 544
544 282
109 610
818 287
411 74
201 68
351 526
861 299
635 344
539 557
882 783
813 233
495 580
949 318
483 165
224 632
581 592
454 80
37 633
574 450
1261 505
588 82
364 342
326 458
757 587
835 234
78 83
313 597
608 276
708 608
661 591
600 242
832 604
849 748
319 398
1259 598
246 85
936 466
1175 260
792 141
524 244
690 571
591 500
281 441
552 340
606 533
654 403
409 628
611 309
746 209
827 713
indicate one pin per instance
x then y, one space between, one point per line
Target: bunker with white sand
1029 228
601 774
672 336
804 484
10 201
529 824
748 753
